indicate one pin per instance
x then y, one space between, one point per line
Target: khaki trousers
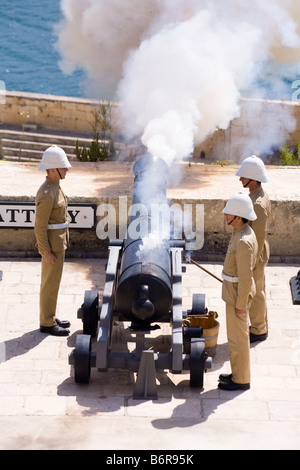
239 345
258 309
50 282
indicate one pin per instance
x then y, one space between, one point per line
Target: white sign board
22 215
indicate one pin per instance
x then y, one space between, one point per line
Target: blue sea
28 59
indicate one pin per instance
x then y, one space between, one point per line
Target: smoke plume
179 67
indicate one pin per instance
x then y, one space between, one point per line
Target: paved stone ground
41 407
111 179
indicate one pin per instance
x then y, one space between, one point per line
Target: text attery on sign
22 215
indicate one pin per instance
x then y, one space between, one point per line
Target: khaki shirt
262 209
239 262
51 208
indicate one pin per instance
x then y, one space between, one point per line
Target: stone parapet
48 111
263 125
283 236
199 185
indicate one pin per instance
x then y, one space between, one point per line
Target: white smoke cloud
191 86
97 35
179 67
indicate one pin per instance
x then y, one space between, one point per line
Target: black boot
54 330
229 384
254 338
63 323
225 377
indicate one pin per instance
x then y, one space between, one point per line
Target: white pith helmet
241 205
254 169
54 157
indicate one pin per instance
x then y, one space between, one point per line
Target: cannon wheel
197 362
82 354
90 312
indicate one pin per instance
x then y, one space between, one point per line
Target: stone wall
258 119
283 234
262 124
262 128
48 111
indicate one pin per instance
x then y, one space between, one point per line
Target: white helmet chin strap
229 223
246 185
58 173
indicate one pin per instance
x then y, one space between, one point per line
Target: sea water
29 60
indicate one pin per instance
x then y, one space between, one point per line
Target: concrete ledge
195 184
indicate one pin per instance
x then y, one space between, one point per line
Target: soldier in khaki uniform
252 173
51 231
238 289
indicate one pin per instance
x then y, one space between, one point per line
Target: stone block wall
262 124
262 128
48 111
258 119
283 234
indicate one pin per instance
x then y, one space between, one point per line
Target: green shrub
104 149
288 157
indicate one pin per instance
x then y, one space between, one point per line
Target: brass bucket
210 329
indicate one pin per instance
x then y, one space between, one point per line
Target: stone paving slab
41 407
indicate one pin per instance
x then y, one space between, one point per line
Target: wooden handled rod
189 260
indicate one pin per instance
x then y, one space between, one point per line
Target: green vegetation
223 162
288 156
99 149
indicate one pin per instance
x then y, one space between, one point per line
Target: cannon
143 286
295 288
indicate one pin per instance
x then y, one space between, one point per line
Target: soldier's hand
240 313
49 257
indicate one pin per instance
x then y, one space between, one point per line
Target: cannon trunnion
143 286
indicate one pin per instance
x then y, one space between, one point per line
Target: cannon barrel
143 285
144 290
